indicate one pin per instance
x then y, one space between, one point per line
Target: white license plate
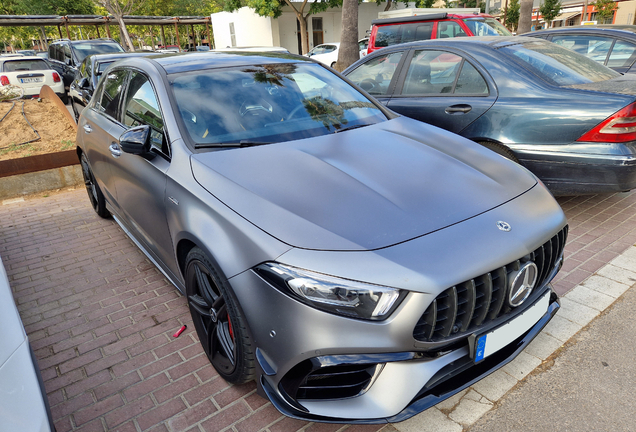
31 80
492 342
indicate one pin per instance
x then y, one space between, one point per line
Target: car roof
428 17
192 61
20 58
120 55
464 42
625 30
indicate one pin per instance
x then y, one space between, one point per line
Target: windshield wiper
241 143
351 127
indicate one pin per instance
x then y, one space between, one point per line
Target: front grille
478 301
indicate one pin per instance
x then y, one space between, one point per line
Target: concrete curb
40 181
579 307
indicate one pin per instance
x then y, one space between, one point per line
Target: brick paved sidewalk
100 318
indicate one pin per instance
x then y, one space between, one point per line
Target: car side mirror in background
84 84
136 140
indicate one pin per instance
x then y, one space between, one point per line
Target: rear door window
441 72
449 29
594 47
623 55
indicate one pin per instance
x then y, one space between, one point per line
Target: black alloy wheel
218 321
95 194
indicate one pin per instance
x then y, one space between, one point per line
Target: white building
246 28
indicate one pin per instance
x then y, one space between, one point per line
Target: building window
316 25
232 34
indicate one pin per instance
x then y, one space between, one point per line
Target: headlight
335 295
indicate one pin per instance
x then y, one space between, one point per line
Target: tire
220 325
500 149
333 65
95 194
64 98
75 113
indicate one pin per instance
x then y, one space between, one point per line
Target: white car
23 403
326 54
30 73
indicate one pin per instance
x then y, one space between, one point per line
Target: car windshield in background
84 49
24 65
486 27
268 103
558 65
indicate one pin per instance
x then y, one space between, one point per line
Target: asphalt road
591 386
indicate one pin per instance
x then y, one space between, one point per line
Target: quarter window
113 87
375 75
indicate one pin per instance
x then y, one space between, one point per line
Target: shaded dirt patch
56 132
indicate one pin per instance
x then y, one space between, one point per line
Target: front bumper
435 380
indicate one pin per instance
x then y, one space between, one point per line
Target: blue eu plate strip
481 348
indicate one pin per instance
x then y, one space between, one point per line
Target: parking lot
101 318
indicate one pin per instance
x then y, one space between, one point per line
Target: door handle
461 108
115 150
88 128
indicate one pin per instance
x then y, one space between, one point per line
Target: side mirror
84 84
136 140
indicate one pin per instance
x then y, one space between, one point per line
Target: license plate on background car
30 80
492 342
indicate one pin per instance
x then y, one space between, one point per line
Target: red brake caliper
230 324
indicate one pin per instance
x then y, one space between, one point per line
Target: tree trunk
304 38
124 33
388 5
525 17
349 52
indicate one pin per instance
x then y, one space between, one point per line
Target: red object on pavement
181 330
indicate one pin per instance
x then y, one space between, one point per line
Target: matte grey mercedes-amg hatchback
359 265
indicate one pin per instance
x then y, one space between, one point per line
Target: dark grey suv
359 265
66 55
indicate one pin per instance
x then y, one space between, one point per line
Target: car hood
10 323
361 189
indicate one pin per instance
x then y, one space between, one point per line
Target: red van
391 31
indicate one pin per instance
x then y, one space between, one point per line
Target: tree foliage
604 10
512 15
550 9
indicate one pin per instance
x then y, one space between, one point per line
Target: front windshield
558 65
84 49
268 103
486 27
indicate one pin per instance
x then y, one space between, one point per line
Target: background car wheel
333 65
220 325
75 113
500 149
94 192
64 99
